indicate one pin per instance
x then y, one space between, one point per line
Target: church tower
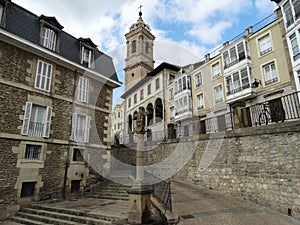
139 60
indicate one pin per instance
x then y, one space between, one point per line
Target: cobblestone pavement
194 205
201 206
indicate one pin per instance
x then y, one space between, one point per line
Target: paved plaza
195 205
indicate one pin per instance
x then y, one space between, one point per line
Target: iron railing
273 111
36 129
162 192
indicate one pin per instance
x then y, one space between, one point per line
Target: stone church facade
56 98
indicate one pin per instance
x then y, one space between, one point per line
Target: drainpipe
164 102
69 141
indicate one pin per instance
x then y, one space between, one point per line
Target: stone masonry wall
261 164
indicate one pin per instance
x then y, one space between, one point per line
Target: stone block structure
56 99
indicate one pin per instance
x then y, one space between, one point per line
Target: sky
185 30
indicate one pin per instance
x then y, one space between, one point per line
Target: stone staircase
109 190
41 214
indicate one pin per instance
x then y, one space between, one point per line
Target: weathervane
140 7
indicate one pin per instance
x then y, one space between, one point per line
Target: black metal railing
162 192
273 111
36 129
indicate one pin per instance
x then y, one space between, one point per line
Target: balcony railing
36 129
238 89
277 110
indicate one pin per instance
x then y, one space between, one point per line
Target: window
129 102
288 13
157 83
80 127
149 89
298 74
270 73
171 94
198 79
133 49
295 46
135 99
200 101
86 57
182 84
171 78
172 113
265 45
33 152
37 120
296 4
238 81
83 89
28 189
141 94
49 38
216 70
235 54
78 155
43 76
119 114
218 94
147 47
183 105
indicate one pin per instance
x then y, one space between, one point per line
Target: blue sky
185 30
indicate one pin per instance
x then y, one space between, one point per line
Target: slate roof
26 25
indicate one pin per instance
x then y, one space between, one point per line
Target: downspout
69 141
164 103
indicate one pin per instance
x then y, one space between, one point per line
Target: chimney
207 57
249 31
225 44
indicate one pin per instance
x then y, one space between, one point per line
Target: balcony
183 114
36 129
243 92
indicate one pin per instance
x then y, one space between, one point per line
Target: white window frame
49 38
218 94
288 20
200 101
141 94
33 152
135 98
270 76
78 120
149 89
233 54
198 79
43 76
265 44
78 158
295 45
129 103
86 56
83 89
216 71
28 117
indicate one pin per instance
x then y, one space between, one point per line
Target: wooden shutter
90 58
74 127
47 122
87 129
26 119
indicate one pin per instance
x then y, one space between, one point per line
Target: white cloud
264 7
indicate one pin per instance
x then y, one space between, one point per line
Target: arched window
149 114
158 110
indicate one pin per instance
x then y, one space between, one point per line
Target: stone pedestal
139 204
237 114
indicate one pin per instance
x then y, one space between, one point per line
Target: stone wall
260 164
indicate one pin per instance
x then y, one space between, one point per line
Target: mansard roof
26 25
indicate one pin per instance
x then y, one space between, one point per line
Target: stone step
43 219
21 220
63 216
73 212
111 197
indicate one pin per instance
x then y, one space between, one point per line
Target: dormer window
50 29
86 57
49 38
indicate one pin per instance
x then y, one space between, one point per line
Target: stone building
56 98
